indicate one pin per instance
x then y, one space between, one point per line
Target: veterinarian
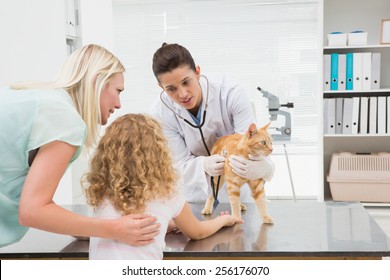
195 111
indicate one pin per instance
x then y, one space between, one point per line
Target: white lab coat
228 111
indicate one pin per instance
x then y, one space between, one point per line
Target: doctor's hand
253 168
213 165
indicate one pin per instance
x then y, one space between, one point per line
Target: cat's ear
252 130
266 126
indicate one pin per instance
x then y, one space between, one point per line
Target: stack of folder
352 71
357 115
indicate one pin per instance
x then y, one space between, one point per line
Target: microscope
274 110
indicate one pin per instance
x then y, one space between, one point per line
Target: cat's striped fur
256 142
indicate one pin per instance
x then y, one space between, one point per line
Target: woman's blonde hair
131 166
84 75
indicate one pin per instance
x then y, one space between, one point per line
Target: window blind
273 45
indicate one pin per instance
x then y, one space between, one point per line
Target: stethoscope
199 127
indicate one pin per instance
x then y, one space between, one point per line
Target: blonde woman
132 173
43 127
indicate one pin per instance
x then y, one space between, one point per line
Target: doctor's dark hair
171 56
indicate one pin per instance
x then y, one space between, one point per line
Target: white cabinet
347 16
71 19
72 25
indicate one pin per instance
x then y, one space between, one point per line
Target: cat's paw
243 207
267 220
207 211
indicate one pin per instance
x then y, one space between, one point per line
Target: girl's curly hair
131 166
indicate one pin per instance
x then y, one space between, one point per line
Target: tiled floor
381 214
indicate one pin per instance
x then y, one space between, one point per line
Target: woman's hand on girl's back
136 229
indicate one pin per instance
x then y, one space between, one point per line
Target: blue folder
334 70
349 72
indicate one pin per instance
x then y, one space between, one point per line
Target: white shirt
108 249
228 111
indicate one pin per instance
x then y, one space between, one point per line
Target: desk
302 230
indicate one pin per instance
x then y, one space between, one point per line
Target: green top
29 119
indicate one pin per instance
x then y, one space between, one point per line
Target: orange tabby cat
256 142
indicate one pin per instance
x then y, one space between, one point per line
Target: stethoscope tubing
199 127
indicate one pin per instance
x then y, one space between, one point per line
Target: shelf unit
357 47
347 16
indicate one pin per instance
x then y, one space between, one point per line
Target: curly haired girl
132 173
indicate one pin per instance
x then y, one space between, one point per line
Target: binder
329 116
381 120
326 72
325 104
357 71
363 120
388 115
342 71
347 116
376 71
339 115
355 115
372 118
366 71
334 64
349 71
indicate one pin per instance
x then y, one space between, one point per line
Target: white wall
32 40
96 23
